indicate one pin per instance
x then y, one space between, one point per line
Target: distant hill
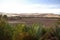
32 14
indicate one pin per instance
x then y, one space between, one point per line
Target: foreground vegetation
28 32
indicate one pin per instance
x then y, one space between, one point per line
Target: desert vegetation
36 31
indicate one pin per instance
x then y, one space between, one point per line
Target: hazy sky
30 6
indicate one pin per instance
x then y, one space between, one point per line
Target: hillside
31 14
47 19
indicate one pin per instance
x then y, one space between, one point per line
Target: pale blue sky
30 6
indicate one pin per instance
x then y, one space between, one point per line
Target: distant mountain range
32 14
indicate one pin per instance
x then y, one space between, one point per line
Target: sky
30 6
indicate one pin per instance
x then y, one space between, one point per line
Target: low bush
28 32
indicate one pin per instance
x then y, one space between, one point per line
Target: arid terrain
45 19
